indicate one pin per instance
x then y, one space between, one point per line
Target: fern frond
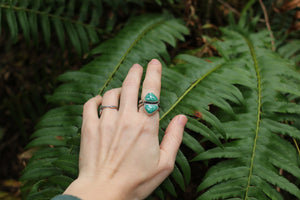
290 50
241 103
35 16
141 40
255 151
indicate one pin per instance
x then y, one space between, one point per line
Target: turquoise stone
151 103
151 97
150 108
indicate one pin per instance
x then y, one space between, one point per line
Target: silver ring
108 106
151 103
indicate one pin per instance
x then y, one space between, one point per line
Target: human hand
120 155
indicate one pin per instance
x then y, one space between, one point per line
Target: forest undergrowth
39 43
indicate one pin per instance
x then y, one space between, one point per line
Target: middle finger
130 89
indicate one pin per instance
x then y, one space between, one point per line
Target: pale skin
120 155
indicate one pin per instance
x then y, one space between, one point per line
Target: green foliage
240 108
258 134
33 17
77 21
290 50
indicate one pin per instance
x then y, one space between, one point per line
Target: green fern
35 16
290 50
77 21
250 88
250 160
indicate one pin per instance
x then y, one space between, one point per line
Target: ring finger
108 120
110 103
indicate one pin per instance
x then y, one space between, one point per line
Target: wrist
95 190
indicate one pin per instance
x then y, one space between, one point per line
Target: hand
120 156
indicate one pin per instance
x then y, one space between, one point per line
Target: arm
120 156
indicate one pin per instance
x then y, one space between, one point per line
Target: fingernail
155 62
136 66
182 119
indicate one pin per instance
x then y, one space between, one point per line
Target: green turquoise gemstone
151 97
151 108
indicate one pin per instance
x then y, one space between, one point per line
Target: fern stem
16 8
295 141
188 90
268 24
258 113
297 146
126 53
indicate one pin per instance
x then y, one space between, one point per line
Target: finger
111 98
90 108
130 89
108 121
172 138
89 135
152 82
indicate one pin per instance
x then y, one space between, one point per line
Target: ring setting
108 106
150 103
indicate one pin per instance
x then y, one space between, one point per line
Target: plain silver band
108 106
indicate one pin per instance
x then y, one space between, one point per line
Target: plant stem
297 146
259 105
268 24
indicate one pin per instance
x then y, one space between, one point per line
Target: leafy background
41 40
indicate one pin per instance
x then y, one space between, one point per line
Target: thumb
173 137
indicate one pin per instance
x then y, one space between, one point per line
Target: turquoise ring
150 103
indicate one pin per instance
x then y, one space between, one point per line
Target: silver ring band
108 106
142 102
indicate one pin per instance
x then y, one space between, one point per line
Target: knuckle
126 125
89 132
128 121
169 167
129 83
109 93
87 104
176 139
147 128
107 127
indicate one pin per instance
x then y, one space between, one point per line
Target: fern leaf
22 16
33 24
290 50
12 22
45 22
32 16
256 151
61 181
